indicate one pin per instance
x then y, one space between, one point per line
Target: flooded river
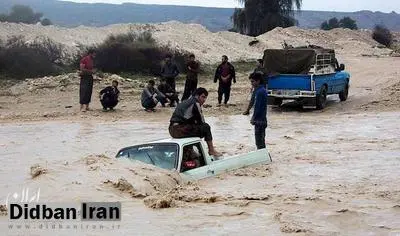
332 174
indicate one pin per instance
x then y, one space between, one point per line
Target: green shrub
345 22
46 22
21 60
382 35
124 53
22 14
133 53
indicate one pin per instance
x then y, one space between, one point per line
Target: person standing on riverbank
86 83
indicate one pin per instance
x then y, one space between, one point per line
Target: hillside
208 46
71 14
364 19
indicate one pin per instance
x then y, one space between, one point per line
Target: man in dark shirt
169 71
191 77
188 120
109 96
260 69
259 119
169 93
265 84
151 96
225 74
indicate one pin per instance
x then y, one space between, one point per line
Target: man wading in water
259 119
86 84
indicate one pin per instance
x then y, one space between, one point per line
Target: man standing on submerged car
188 120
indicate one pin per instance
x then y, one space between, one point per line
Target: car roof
179 141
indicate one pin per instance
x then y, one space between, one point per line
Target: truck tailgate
290 82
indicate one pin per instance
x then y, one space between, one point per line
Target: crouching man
188 120
109 96
168 92
151 96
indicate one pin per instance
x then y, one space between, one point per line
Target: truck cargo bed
290 82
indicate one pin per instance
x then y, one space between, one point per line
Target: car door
240 161
231 163
199 173
340 81
205 170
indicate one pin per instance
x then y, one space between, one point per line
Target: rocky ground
374 87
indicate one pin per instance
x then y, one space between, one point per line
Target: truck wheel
278 101
321 98
344 94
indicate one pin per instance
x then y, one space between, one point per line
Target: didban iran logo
25 205
85 211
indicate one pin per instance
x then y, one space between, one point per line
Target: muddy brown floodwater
332 174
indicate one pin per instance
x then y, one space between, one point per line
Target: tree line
260 16
24 14
345 22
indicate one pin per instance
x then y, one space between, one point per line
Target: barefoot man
188 120
86 84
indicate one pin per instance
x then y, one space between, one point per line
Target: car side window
192 157
197 149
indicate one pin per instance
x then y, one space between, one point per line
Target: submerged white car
188 157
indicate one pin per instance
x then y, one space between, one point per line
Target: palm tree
260 16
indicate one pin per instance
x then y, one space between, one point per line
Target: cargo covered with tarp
294 60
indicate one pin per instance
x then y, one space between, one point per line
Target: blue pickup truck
306 75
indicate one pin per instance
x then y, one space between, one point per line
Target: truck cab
189 157
306 75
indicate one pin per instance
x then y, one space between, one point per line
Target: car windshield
163 155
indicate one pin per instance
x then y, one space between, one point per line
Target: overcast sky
321 5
